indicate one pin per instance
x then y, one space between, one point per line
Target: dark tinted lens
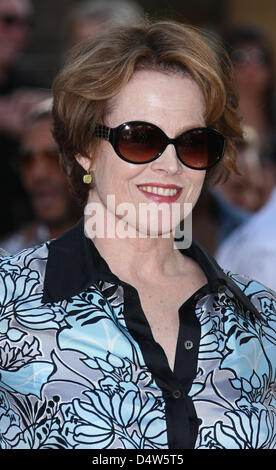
200 148
139 142
250 56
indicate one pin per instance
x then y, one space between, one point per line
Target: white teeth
160 191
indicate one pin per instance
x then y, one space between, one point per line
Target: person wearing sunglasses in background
252 54
19 92
124 335
54 208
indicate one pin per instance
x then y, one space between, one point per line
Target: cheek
193 186
113 175
102 171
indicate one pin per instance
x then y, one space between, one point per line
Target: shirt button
188 344
176 394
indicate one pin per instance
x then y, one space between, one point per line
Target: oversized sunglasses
254 56
142 142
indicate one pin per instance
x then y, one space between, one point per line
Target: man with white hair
89 17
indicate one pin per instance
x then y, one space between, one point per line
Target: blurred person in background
18 93
90 17
15 27
253 58
231 203
219 216
45 183
251 188
251 249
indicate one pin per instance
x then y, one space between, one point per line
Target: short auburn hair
98 69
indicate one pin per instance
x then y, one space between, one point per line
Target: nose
167 163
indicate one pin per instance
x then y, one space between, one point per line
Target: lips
160 192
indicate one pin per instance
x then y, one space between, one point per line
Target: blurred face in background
251 189
252 70
42 176
85 28
15 18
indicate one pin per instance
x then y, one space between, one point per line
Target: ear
85 162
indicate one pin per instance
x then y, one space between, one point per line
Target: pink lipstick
161 192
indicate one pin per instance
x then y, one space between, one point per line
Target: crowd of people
251 250
238 214
124 341
28 187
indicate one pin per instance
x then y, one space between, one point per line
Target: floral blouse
79 368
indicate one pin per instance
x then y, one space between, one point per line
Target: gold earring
87 178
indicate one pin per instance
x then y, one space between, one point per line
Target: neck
133 254
138 258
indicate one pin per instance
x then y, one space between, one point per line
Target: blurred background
35 36
42 57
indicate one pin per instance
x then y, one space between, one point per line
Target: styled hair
99 69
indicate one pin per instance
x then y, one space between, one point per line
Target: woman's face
174 103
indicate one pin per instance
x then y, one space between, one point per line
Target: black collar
74 263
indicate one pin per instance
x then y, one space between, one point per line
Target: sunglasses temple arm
104 132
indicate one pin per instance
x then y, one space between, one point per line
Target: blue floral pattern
72 376
244 350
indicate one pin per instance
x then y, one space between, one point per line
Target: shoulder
28 236
23 271
241 245
237 367
253 256
262 297
263 222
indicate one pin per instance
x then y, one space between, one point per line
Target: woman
111 337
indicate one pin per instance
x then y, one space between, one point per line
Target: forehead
38 132
153 96
21 7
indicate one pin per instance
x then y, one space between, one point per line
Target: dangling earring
87 178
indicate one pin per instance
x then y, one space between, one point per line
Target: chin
156 229
50 218
162 224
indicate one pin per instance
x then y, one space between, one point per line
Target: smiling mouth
160 191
